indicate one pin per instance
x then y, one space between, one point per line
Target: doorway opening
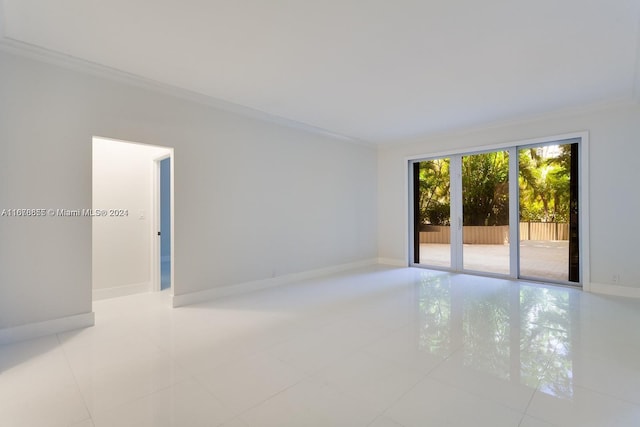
126 221
513 211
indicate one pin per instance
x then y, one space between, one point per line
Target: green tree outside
544 177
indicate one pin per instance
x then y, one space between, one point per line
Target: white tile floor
376 347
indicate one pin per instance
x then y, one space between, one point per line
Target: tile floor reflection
374 347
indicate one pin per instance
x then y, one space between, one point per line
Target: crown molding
73 63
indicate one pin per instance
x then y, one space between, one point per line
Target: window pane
433 212
485 212
545 201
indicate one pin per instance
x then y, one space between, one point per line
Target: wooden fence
544 231
497 235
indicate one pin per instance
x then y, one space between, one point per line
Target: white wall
121 245
251 198
614 150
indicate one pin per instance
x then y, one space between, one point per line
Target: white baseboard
121 291
613 290
396 262
48 327
241 288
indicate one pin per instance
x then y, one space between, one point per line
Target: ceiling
373 70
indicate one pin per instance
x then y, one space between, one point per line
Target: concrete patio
544 259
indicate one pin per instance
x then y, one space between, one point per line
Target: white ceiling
374 70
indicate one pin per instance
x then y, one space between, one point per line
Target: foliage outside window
544 177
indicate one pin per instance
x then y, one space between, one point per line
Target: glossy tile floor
374 347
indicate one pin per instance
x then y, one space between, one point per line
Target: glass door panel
485 212
432 202
548 202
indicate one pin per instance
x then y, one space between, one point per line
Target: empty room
319 213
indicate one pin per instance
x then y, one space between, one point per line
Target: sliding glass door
485 212
549 238
511 212
433 212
